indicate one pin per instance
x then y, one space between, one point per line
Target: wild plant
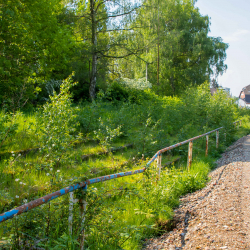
58 127
120 213
105 134
7 127
145 136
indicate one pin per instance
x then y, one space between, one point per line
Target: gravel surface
218 216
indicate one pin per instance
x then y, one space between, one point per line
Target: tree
102 29
175 36
34 45
214 84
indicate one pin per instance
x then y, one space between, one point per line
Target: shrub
57 124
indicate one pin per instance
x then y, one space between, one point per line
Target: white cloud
236 36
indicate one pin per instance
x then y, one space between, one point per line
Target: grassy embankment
60 145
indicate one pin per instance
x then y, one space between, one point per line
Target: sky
230 20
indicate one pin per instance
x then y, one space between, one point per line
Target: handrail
179 144
28 206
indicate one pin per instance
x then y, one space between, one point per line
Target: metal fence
83 185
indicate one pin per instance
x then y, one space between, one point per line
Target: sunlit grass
120 212
27 133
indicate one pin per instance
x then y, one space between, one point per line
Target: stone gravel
218 216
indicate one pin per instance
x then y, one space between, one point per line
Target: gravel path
218 216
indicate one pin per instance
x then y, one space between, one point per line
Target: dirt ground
218 216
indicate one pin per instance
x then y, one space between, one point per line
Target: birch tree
178 51
102 24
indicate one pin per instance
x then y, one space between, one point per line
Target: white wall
242 103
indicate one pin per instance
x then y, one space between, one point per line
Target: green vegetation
61 144
162 42
142 70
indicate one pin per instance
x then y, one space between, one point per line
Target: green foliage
136 208
35 45
80 91
43 41
206 112
121 212
48 88
144 137
141 83
105 135
177 51
123 91
115 92
57 124
7 127
64 242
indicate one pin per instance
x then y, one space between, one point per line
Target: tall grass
122 213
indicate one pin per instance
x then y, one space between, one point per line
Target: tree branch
87 16
103 31
118 15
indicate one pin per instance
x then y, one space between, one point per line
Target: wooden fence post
190 153
217 138
159 165
207 137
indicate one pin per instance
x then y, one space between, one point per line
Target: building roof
246 89
245 94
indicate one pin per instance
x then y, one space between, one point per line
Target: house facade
244 97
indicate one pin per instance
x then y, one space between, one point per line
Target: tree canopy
42 42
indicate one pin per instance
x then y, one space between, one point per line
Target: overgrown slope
61 144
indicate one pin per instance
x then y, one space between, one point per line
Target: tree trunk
94 51
158 51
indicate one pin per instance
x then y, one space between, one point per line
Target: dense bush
155 121
118 91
